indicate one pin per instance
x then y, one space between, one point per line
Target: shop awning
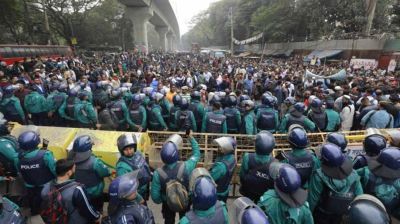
321 54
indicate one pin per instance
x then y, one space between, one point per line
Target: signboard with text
366 63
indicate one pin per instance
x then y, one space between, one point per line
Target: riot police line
303 187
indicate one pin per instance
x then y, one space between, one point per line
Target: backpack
53 209
176 193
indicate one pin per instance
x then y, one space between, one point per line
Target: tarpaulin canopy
321 54
285 52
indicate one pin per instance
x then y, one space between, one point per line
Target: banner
392 65
341 75
248 41
366 63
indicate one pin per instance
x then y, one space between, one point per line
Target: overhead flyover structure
158 13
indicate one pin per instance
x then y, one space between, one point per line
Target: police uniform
156 121
67 111
54 100
185 120
198 111
12 109
85 114
121 111
248 126
233 119
214 122
36 105
267 119
10 213
138 116
172 118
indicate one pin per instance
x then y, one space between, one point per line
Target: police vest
70 107
217 217
223 183
135 115
195 110
85 173
373 182
171 175
231 121
215 122
244 122
172 119
304 165
295 120
184 121
10 109
320 120
133 213
5 163
154 123
10 215
335 203
257 180
266 120
58 100
34 170
164 110
116 107
137 162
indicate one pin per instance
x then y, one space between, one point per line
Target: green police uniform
125 111
248 124
52 105
308 124
268 110
63 108
200 107
123 168
85 113
219 170
333 120
102 171
143 122
192 121
279 212
35 103
48 159
15 102
204 124
244 169
146 101
190 164
127 97
156 121
207 213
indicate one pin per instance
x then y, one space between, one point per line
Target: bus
16 53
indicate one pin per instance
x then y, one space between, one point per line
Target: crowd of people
192 93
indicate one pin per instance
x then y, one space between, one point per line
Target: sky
186 9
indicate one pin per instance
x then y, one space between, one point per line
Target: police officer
215 121
170 156
131 159
295 116
36 166
286 203
332 115
11 107
224 166
366 209
74 196
54 101
206 207
338 139
35 105
248 125
197 108
318 115
176 99
137 114
125 204
165 106
333 186
303 160
373 145
254 174
147 91
156 121
67 109
381 178
107 120
10 212
100 94
233 118
246 212
90 170
118 106
267 117
84 112
185 118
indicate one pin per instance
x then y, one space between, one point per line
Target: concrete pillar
140 17
171 41
162 33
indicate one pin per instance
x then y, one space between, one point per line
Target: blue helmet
373 144
136 99
184 104
297 137
9 90
204 194
243 98
81 149
316 103
232 100
338 139
55 86
254 216
215 99
169 153
330 103
123 186
331 155
195 95
63 87
299 107
265 143
28 140
116 93
288 179
177 100
73 92
366 209
290 100
390 157
267 100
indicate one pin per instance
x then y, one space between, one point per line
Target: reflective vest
216 218
34 171
215 122
304 165
231 121
257 180
85 173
